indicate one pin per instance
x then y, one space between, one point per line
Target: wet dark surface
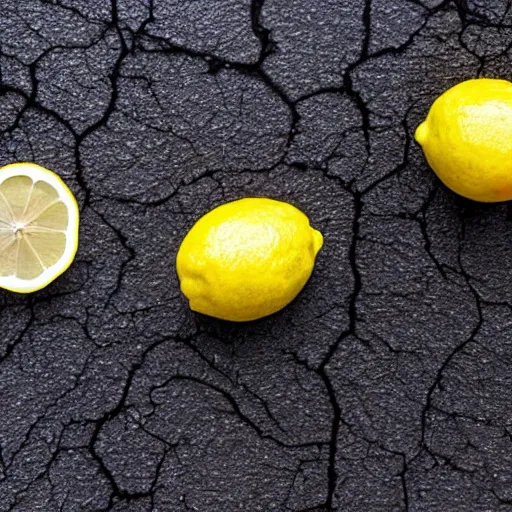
384 387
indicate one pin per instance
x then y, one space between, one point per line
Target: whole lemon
467 139
247 259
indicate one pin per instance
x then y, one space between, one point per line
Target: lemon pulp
38 227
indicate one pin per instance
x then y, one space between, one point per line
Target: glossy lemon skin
467 139
247 259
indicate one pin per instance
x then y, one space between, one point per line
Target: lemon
38 227
467 139
247 259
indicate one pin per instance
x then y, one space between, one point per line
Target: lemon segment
39 220
247 259
467 139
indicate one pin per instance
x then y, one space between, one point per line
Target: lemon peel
247 259
467 139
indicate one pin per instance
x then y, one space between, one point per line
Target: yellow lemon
247 259
38 227
467 139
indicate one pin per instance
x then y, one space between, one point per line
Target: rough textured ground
385 387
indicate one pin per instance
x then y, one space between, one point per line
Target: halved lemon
38 227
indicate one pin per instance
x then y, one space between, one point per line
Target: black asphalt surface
385 387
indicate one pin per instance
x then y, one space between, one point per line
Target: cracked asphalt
385 387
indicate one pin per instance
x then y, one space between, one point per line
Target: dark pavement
385 387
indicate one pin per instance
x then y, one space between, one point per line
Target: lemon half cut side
39 221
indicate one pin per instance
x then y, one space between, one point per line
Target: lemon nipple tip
318 240
421 133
